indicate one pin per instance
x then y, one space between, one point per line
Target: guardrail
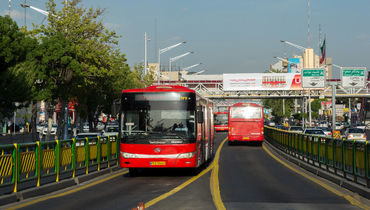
346 158
35 162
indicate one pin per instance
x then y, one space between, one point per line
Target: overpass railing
43 162
346 158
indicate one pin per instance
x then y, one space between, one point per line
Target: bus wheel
133 171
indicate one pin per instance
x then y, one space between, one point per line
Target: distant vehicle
40 127
111 130
281 127
361 126
355 133
326 130
323 124
246 122
86 127
272 124
90 136
339 126
312 131
296 129
53 130
221 120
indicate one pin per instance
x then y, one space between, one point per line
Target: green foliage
15 47
277 107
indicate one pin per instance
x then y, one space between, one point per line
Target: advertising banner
261 81
293 65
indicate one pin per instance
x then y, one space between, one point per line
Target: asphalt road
249 178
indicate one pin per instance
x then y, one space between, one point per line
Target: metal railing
342 157
34 162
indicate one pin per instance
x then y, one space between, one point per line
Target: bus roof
246 104
160 88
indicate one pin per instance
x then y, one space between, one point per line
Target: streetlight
190 67
160 51
178 57
146 39
199 72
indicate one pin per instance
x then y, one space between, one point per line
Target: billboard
261 81
293 65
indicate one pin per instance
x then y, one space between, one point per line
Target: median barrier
29 165
346 159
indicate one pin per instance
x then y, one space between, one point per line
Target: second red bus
246 122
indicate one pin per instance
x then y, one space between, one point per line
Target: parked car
110 130
40 127
90 136
53 130
326 130
313 131
296 129
361 126
323 124
355 133
339 126
282 127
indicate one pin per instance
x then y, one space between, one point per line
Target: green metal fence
35 161
347 158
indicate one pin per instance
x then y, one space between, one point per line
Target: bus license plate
158 163
245 138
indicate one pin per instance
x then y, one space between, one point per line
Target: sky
228 36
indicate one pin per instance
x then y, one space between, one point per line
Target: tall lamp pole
160 51
177 58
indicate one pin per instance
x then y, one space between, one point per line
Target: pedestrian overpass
214 89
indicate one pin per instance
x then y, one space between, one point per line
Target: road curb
52 187
341 182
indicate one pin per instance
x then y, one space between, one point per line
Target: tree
15 47
102 67
277 107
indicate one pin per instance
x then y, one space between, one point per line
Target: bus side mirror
200 118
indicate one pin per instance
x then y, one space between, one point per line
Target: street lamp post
160 51
177 58
190 67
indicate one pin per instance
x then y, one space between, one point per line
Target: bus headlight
127 155
186 155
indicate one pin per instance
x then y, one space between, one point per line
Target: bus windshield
248 112
158 118
221 119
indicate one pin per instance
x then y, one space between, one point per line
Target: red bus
165 127
221 116
246 122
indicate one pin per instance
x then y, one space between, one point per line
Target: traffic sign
353 77
313 78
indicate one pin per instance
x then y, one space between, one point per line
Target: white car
110 130
355 134
315 132
53 130
91 136
361 126
296 129
339 126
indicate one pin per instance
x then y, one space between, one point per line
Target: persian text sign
353 77
261 81
313 78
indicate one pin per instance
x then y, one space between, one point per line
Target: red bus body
246 122
161 127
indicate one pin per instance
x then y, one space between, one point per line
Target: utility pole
309 107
